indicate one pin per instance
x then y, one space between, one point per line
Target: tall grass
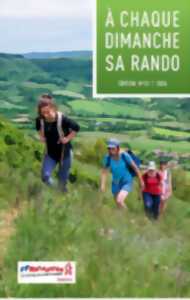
118 253
137 258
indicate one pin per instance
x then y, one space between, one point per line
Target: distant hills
64 74
67 54
10 56
44 70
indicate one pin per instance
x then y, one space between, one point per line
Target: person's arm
103 181
170 184
138 173
72 126
68 138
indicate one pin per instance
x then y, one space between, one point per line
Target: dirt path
6 229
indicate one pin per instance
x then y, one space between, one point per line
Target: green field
75 87
167 132
140 142
116 120
69 94
34 85
112 108
17 99
180 125
5 105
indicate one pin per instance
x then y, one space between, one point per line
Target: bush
92 154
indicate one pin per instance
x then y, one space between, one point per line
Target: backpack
135 158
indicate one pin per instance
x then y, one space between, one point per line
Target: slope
118 253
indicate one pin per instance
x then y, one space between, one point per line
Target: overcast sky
45 25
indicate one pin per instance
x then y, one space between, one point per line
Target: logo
46 272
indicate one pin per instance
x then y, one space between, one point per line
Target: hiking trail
7 218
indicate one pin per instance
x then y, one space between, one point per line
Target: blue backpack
135 158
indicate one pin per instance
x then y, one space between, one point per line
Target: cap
152 165
113 143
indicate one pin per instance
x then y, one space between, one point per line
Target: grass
128 263
138 258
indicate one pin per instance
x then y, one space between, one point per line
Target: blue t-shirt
118 168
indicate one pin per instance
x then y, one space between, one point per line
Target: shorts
116 188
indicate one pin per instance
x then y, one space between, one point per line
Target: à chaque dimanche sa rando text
161 32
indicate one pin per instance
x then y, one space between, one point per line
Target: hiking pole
62 154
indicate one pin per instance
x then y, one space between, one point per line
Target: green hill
66 68
49 55
22 81
17 68
118 253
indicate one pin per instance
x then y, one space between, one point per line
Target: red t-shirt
152 184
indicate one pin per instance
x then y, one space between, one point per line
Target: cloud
45 34
45 25
46 8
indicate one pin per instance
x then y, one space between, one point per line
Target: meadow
118 253
167 132
139 142
112 108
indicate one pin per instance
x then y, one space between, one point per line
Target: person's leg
164 201
47 168
122 192
120 198
156 206
148 204
162 205
64 169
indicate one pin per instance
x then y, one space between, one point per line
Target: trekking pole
62 154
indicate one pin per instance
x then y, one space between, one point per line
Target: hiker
56 131
152 191
166 185
121 166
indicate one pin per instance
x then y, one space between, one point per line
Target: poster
94 176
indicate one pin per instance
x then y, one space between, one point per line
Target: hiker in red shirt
152 191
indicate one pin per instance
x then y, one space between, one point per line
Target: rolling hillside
118 253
